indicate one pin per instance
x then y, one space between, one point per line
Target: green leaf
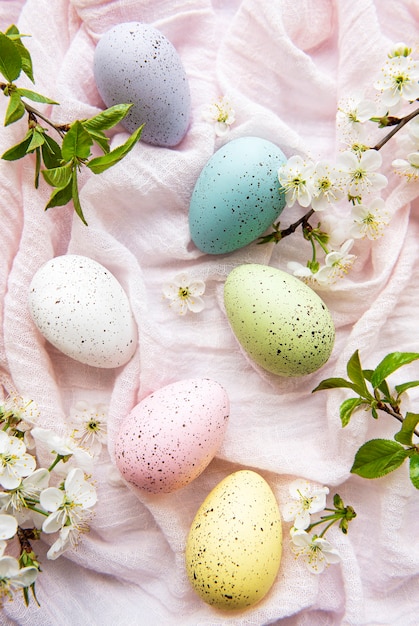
37 166
102 163
58 176
19 150
101 139
13 33
10 59
347 408
405 386
378 457
355 373
60 197
383 387
390 364
108 118
76 143
37 140
15 109
34 96
405 434
414 470
51 152
75 195
335 383
25 59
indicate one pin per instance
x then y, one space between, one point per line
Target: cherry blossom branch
403 121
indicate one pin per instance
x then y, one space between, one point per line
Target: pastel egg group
80 308
280 322
237 195
234 546
171 436
135 63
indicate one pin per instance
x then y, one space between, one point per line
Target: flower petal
25 577
8 526
54 522
51 498
9 567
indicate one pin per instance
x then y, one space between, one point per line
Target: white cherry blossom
360 172
65 446
221 114
68 506
336 264
12 577
15 500
15 462
327 186
369 221
88 424
185 294
296 177
408 167
306 499
352 113
398 80
317 552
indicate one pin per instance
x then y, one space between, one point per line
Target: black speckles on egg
280 322
81 309
237 195
135 63
234 545
169 438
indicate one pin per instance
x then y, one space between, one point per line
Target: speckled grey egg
280 322
81 309
169 438
135 63
234 546
237 195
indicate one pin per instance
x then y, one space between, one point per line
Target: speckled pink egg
135 63
80 308
170 437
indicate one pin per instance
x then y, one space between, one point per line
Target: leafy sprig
379 457
60 162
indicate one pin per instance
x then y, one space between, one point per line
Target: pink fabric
284 66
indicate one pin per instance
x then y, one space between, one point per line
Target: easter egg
81 309
170 437
234 546
135 63
237 195
279 321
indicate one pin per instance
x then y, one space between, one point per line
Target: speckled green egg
280 322
234 545
237 195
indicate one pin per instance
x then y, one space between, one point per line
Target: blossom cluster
308 499
327 186
36 500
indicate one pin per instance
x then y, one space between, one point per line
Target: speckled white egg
280 322
234 546
81 309
135 63
171 436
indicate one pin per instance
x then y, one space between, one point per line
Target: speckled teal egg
234 546
237 195
280 322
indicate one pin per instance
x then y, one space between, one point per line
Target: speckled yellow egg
234 545
280 322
